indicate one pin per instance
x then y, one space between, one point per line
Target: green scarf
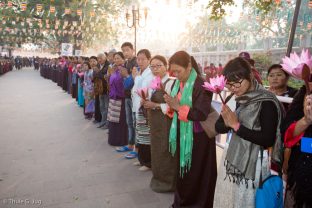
186 128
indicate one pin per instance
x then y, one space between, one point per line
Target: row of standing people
6 65
166 128
152 120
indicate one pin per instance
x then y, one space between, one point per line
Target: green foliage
260 19
217 8
92 27
262 61
295 83
264 7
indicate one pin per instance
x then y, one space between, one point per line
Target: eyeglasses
235 84
157 66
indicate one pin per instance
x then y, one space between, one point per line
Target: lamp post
136 21
293 28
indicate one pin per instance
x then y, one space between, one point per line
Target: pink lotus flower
78 66
216 85
293 65
80 74
156 83
143 93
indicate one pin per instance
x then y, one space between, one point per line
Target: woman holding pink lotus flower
297 127
298 163
190 103
163 163
255 126
142 79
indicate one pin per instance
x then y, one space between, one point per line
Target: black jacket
101 75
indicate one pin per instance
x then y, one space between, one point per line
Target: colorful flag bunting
39 7
52 9
79 12
67 10
23 6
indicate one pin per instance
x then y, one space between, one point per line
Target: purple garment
116 87
197 128
90 108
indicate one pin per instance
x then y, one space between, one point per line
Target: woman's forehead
233 78
276 70
176 67
156 61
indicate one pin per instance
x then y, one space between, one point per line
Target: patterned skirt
142 129
118 132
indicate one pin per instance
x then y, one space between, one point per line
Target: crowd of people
18 62
21 62
152 109
6 65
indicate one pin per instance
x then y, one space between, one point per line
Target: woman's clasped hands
229 117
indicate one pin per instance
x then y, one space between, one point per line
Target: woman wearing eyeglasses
254 124
163 163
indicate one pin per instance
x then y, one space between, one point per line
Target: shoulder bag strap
260 179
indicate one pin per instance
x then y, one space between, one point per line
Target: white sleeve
135 97
147 81
137 82
150 92
164 108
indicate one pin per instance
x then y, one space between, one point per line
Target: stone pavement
51 157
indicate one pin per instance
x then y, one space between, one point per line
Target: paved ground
51 157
